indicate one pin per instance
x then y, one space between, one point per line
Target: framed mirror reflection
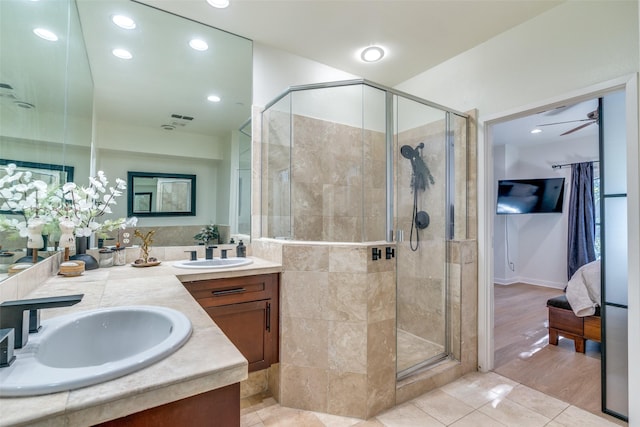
160 194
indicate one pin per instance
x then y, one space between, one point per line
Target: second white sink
214 263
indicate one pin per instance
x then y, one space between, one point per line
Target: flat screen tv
530 196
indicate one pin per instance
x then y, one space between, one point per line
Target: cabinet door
248 326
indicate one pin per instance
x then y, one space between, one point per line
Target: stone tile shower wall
327 181
338 328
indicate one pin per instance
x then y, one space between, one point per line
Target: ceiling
554 123
166 80
418 34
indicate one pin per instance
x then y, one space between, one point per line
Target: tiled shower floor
413 350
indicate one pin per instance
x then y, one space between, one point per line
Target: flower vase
82 244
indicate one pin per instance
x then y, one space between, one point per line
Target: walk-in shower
356 162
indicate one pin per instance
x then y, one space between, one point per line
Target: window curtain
582 227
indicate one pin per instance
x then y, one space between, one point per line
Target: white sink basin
214 263
90 347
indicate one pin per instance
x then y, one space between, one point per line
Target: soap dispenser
241 250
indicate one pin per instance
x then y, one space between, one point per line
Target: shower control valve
390 252
376 254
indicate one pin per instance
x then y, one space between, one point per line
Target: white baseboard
529 280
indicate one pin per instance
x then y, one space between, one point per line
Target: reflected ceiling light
213 98
45 34
122 53
124 22
536 130
220 4
372 54
199 44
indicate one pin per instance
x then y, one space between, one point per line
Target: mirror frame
131 194
65 173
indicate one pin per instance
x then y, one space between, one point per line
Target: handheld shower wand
421 178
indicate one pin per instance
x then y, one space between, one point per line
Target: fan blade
568 121
577 128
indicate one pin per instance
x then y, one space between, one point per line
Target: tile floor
476 400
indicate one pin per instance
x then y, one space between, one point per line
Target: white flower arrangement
23 196
84 205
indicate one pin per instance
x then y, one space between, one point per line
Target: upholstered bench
564 322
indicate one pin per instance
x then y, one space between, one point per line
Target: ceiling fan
592 118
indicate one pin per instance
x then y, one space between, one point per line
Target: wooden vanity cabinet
246 309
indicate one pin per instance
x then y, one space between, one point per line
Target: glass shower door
422 218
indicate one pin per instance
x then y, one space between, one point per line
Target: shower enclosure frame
389 93
391 134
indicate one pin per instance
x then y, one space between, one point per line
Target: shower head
408 152
411 153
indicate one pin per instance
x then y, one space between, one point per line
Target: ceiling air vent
181 117
25 105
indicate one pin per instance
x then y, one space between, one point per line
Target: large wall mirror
175 107
169 108
46 101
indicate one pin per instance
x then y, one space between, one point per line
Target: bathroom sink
90 347
213 263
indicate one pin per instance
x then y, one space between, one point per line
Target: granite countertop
207 361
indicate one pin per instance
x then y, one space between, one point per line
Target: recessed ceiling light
220 4
199 44
124 22
122 53
372 54
213 98
536 130
45 34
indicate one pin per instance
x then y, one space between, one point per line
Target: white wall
537 243
275 70
572 46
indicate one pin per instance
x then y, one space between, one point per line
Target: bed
576 314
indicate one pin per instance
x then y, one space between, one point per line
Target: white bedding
583 290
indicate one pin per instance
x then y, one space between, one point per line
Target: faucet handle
193 254
7 343
23 315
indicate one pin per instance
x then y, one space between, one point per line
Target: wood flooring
523 352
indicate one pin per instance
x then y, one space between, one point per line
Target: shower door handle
399 236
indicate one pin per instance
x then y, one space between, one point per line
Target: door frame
486 197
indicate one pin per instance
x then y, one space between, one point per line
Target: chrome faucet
23 316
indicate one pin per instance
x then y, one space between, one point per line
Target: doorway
530 248
628 85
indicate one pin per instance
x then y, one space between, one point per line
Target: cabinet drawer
217 292
592 328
